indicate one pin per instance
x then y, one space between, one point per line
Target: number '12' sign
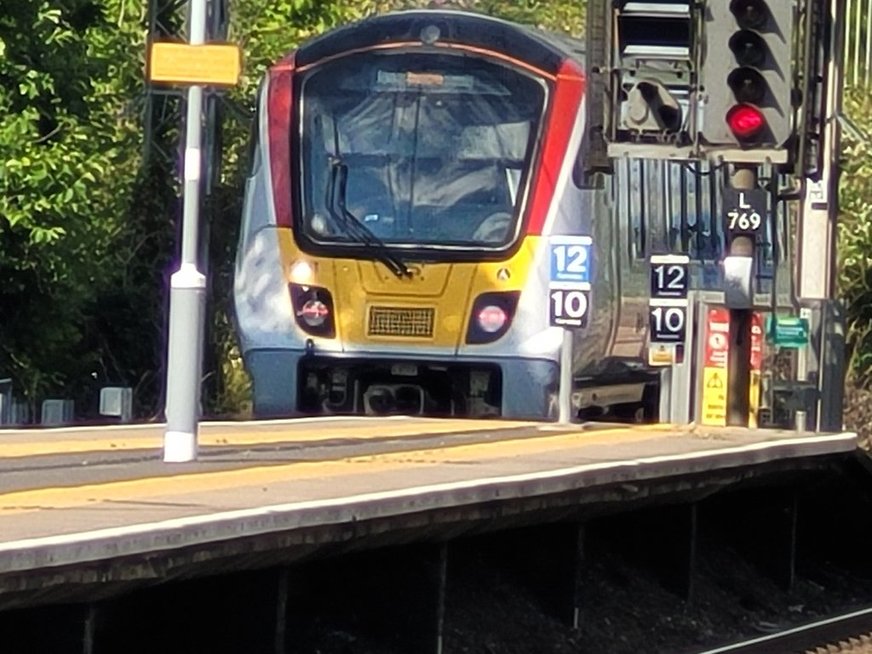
571 259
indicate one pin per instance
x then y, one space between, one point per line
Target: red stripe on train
561 119
279 129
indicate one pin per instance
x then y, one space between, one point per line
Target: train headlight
302 272
491 316
313 309
314 313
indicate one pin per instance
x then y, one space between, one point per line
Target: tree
855 235
66 136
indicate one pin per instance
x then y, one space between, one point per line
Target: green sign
787 331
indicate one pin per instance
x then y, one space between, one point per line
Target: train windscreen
433 149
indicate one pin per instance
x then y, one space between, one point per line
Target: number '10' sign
568 307
667 308
570 274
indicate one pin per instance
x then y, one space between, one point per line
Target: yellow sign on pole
715 372
714 397
209 64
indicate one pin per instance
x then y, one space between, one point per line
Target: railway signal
746 79
646 76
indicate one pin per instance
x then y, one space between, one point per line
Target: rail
810 637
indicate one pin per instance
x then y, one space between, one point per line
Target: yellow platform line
203 482
257 434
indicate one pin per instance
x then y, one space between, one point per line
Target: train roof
542 49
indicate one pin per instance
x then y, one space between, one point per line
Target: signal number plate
667 324
744 211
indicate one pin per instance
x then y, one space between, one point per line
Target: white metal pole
187 286
564 391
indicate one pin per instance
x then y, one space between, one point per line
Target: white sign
670 276
568 307
570 268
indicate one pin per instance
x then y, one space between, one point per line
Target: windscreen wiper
356 229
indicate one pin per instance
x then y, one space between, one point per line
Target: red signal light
745 121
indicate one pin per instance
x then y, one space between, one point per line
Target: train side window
771 238
692 200
666 206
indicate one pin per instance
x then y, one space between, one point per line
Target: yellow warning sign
661 354
714 379
714 397
182 63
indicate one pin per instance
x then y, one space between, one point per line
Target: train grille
397 321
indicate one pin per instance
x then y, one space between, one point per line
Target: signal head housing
747 78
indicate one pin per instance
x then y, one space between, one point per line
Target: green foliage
67 155
855 234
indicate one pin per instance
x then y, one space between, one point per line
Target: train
408 173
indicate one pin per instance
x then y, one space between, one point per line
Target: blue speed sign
571 259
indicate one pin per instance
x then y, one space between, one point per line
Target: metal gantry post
818 225
187 285
739 352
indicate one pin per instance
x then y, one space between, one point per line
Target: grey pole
564 390
187 286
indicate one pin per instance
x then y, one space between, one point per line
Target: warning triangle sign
715 381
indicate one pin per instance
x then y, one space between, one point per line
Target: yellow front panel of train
428 308
374 305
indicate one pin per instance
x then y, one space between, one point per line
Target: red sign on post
714 374
717 342
756 342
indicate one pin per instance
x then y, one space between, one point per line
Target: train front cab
410 190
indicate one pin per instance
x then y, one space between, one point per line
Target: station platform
81 507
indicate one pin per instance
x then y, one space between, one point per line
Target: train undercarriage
385 387
474 390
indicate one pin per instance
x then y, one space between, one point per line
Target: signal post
747 80
729 82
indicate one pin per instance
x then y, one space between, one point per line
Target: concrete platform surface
74 496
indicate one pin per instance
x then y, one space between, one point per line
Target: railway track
848 632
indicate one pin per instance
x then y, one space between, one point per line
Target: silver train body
433 297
